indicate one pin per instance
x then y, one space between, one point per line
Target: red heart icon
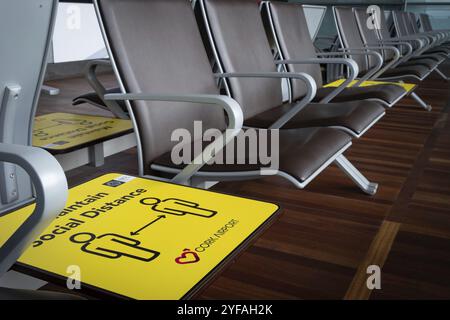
187 256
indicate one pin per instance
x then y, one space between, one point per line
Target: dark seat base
301 153
356 116
389 93
430 63
419 71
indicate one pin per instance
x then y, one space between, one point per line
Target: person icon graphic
178 207
113 246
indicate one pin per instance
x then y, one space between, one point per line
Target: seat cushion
95 100
419 71
441 51
389 93
430 63
429 56
302 152
438 56
356 116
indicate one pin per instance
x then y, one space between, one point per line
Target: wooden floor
330 232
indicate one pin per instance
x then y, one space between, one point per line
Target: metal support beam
51 91
357 177
8 176
422 103
97 155
439 72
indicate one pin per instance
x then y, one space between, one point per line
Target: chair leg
202 183
357 177
439 72
421 102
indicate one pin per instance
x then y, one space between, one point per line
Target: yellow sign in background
62 131
142 238
409 87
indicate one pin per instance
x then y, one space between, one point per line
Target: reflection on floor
331 232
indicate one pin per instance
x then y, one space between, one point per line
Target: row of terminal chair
402 57
166 82
432 44
367 54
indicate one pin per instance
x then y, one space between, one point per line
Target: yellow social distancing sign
142 239
409 87
62 132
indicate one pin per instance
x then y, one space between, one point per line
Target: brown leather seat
443 47
356 116
430 63
351 20
406 25
158 49
291 31
390 93
441 52
419 71
302 152
410 21
249 37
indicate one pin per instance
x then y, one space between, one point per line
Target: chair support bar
230 106
351 65
91 76
306 78
356 176
50 186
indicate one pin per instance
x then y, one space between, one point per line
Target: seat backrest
157 49
25 31
408 23
384 31
241 42
425 22
349 34
413 22
400 23
288 22
369 35
385 34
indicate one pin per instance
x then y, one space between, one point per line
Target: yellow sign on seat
140 238
409 87
65 132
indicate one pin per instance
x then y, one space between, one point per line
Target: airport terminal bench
145 237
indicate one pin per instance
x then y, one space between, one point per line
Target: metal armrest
231 107
388 65
50 186
420 42
432 39
403 57
91 77
360 51
306 78
350 63
423 37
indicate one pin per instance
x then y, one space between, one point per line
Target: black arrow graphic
135 233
